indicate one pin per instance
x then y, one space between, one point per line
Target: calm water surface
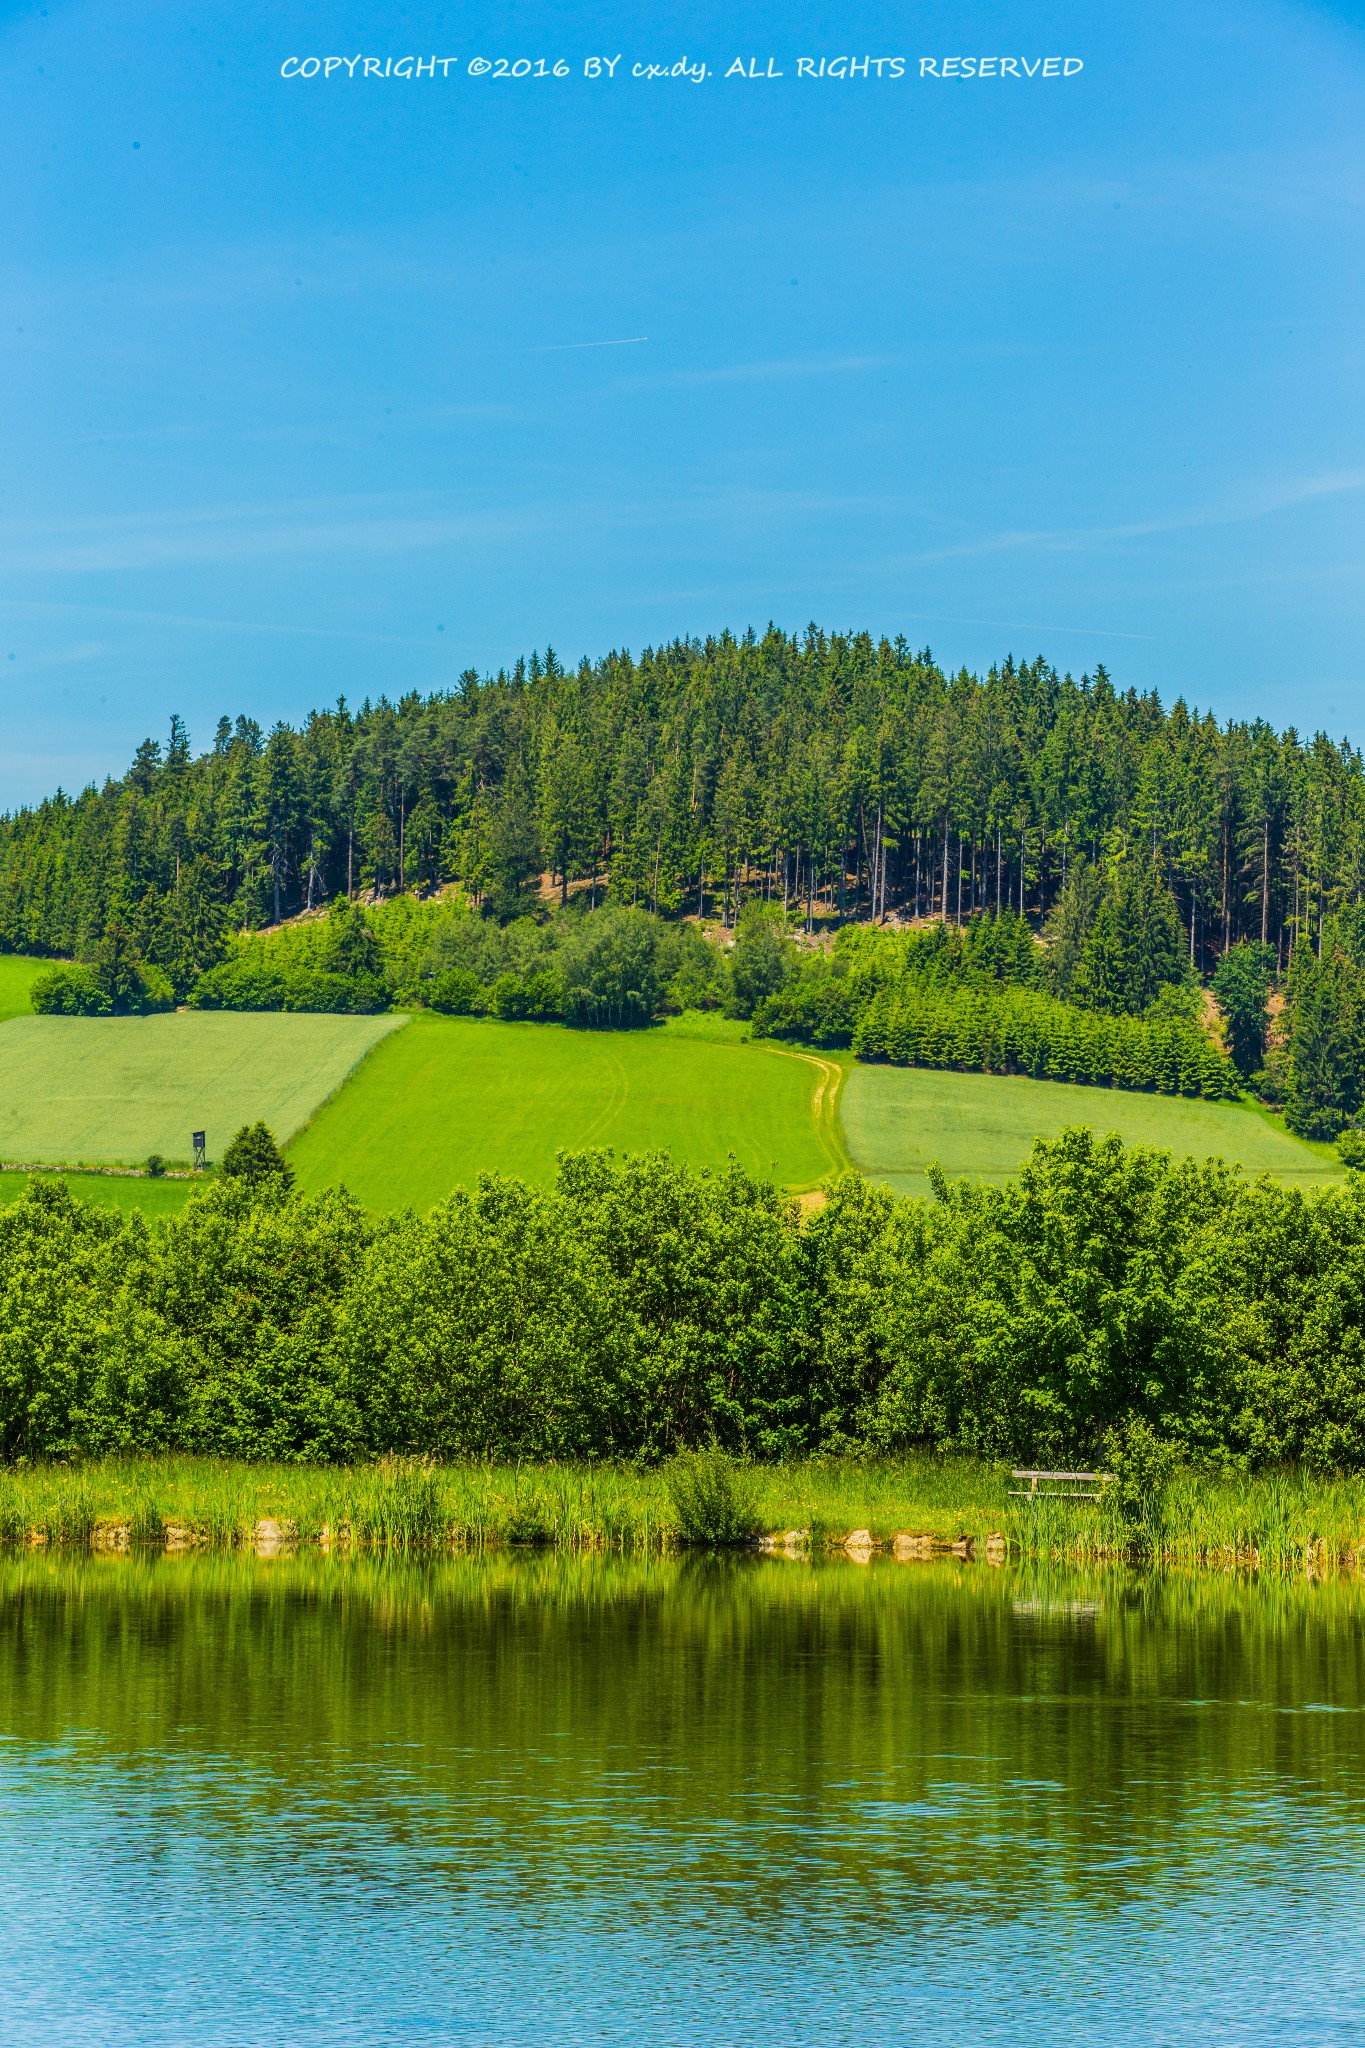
742 1802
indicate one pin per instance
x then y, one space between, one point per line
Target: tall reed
1284 1521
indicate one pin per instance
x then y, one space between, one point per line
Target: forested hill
837 773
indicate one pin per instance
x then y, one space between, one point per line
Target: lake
553 1800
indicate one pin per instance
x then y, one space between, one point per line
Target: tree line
638 1307
842 777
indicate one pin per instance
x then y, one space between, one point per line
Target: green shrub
248 985
713 1498
455 994
763 957
70 992
1351 1150
695 973
819 1010
1142 1467
524 1000
136 989
1108 1301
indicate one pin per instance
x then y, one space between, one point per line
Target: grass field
17 975
444 1099
897 1119
115 1191
97 1091
450 1098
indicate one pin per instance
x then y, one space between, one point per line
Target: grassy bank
1280 1521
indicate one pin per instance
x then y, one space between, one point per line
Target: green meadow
116 1191
449 1098
898 1119
82 1091
18 972
403 1115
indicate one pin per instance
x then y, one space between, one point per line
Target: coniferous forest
840 779
834 772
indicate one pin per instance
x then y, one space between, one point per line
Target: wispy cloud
237 533
1258 502
334 425
376 527
87 650
72 655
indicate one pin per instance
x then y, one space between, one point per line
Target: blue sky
328 385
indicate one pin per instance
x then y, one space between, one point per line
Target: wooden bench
1060 1485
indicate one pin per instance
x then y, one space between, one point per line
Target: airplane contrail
558 347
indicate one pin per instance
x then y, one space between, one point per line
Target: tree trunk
877 904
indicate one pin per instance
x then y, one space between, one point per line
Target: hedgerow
1017 1031
638 1308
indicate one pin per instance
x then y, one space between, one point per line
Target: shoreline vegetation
908 1509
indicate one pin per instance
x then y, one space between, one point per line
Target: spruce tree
1069 925
1322 1087
254 1156
1242 986
1135 947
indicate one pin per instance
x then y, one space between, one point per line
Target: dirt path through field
824 1103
